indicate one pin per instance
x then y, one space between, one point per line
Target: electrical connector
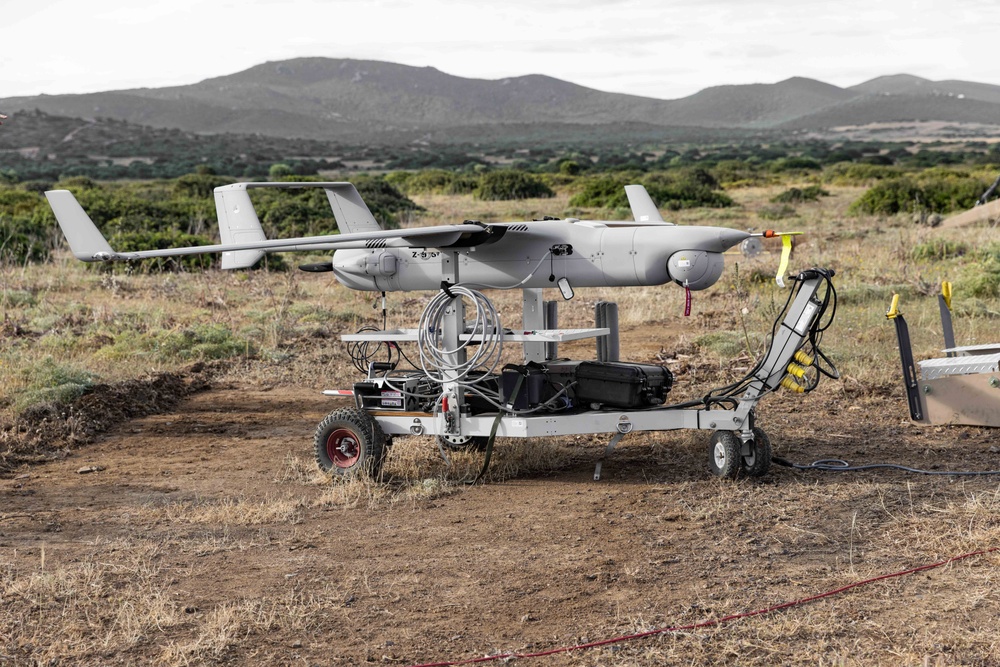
804 358
796 370
789 383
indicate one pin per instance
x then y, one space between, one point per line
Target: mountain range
370 101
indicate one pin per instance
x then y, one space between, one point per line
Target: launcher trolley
457 396
456 392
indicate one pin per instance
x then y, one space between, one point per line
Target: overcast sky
655 48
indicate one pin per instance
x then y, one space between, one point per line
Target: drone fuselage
539 253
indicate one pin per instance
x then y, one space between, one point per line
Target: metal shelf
540 335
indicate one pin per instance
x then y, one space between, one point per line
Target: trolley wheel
757 454
724 459
463 443
349 442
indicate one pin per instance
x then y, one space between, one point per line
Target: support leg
607 452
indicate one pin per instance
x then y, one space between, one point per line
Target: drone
458 391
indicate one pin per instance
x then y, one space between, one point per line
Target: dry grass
125 598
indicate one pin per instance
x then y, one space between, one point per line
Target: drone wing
243 238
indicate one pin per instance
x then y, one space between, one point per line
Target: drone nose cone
731 237
712 239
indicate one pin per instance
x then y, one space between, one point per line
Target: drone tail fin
643 208
349 209
85 240
238 223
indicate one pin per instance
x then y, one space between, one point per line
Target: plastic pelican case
614 383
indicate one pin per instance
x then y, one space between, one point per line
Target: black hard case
612 383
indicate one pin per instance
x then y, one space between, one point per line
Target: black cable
839 465
363 352
739 386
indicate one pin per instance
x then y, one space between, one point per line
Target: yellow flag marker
786 252
946 293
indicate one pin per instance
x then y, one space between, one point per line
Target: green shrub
160 240
797 195
777 212
603 191
25 239
897 195
199 185
795 163
982 281
198 343
386 203
673 190
49 382
462 184
939 249
510 184
430 181
853 173
570 168
932 192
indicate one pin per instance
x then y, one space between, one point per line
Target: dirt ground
213 507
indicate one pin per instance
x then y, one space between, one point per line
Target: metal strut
607 452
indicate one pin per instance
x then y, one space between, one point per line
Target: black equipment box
391 393
612 383
533 389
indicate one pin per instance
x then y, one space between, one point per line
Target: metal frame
788 338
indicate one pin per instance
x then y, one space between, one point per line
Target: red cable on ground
707 624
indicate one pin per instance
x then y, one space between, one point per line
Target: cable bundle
483 346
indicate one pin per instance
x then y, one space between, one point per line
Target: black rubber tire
473 443
724 458
758 462
350 443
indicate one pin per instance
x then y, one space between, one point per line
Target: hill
356 101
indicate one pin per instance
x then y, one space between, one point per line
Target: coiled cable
483 342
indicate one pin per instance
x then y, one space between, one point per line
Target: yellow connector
789 383
796 370
803 358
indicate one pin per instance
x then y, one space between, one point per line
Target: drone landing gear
729 457
350 443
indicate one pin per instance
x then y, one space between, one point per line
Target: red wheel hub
343 448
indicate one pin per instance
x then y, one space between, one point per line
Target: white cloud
657 48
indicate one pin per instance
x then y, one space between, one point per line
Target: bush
797 195
939 249
198 343
427 181
898 195
604 191
159 240
934 192
673 190
983 281
25 239
795 164
853 173
49 382
385 202
777 212
199 185
510 184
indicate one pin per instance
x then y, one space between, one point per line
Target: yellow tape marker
786 252
946 293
